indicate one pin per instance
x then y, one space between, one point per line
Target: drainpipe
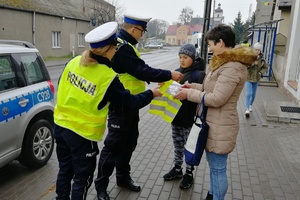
33 29
207 10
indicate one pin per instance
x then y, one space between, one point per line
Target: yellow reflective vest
165 106
134 85
81 89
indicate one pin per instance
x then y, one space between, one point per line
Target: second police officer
123 133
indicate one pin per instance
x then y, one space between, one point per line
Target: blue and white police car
26 105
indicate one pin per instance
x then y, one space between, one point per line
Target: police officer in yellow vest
133 72
88 87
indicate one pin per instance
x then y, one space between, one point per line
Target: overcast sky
169 10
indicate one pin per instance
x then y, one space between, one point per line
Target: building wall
22 27
171 39
293 54
15 25
182 35
69 28
263 12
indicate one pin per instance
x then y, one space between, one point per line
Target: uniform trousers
119 145
77 161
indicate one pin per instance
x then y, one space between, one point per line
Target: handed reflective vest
131 83
81 89
165 106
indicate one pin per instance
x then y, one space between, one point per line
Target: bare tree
119 10
101 11
157 28
186 15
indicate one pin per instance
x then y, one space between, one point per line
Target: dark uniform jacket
126 61
120 99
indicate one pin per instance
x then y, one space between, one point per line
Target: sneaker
173 174
247 113
250 108
187 181
209 196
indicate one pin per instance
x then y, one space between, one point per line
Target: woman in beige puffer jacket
222 87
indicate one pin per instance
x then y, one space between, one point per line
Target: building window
56 39
80 39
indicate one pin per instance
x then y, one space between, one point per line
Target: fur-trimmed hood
245 55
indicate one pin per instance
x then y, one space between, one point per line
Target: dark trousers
77 161
119 145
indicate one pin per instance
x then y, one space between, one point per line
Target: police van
26 105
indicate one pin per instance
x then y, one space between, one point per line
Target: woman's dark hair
223 32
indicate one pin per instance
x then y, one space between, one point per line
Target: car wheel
38 145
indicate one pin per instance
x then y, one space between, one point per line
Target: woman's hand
186 85
182 95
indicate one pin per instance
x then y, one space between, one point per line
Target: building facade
56 27
286 61
182 34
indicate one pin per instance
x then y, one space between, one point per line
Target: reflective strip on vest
165 106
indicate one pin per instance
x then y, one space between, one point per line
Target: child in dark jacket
192 69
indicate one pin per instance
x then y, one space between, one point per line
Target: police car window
32 68
7 75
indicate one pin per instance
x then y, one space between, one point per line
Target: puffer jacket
222 87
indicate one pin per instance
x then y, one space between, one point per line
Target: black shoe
173 174
103 196
129 184
187 181
209 196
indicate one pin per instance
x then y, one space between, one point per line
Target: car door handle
23 102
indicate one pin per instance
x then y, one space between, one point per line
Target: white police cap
137 20
102 35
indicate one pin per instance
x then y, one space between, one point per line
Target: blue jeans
251 88
218 177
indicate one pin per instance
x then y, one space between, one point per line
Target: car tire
37 145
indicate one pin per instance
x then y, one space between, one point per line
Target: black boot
103 196
129 184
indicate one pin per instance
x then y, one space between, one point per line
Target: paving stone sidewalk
264 165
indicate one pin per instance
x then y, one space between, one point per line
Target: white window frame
56 35
81 39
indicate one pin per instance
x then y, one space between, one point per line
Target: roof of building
192 29
197 20
53 7
172 30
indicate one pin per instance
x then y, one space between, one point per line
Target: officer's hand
176 76
156 92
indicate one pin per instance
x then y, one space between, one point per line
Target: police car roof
16 46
